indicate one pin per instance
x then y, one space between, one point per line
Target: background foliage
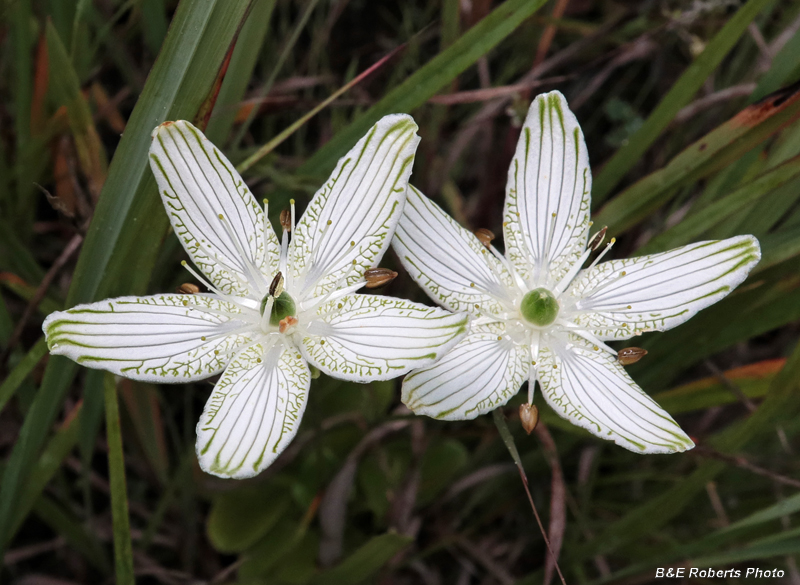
688 140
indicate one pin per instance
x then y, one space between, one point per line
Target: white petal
622 298
348 225
155 339
253 412
479 374
548 193
197 185
448 261
368 337
590 389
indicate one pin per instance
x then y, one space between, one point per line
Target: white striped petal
478 375
448 261
160 338
254 411
368 337
593 391
546 212
198 184
622 298
349 223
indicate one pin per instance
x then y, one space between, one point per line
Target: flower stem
123 550
508 439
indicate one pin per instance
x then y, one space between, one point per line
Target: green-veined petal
622 298
350 221
546 212
198 184
369 337
448 261
160 338
479 374
253 412
592 390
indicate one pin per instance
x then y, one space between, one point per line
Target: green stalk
123 549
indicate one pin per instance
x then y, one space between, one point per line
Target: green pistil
282 307
539 307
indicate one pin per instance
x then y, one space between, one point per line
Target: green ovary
282 307
539 307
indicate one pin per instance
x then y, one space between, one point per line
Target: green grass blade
714 151
428 79
21 371
366 561
722 210
129 221
123 549
677 97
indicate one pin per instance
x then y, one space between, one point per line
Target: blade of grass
298 28
123 549
129 216
720 211
428 79
21 371
287 132
678 96
714 151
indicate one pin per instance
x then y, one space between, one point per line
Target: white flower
535 315
275 306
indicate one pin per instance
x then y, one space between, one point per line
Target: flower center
282 307
539 307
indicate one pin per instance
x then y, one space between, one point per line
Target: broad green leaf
129 222
678 96
364 562
240 518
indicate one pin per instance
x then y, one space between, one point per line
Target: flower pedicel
536 315
273 307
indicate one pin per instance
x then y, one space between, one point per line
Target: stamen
207 284
584 333
267 313
597 239
536 337
546 254
610 243
276 286
528 416
376 277
286 220
630 355
187 288
484 236
253 274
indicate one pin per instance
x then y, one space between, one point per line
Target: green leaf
129 222
21 371
242 517
428 79
678 96
364 562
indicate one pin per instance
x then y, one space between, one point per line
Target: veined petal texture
592 390
368 337
254 411
622 298
479 374
198 184
546 212
160 338
349 223
448 261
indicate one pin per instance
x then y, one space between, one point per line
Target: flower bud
187 288
630 355
376 277
528 416
485 236
286 220
597 239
